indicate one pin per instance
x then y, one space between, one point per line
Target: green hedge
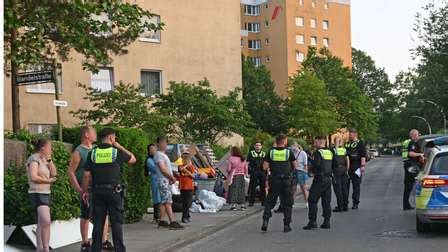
138 193
18 209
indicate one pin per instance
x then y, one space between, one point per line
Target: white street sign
60 103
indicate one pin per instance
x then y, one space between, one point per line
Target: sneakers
310 226
287 228
107 245
163 224
186 220
264 226
85 247
325 225
243 208
355 206
176 226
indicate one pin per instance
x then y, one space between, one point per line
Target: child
186 175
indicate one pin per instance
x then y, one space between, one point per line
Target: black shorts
40 199
86 212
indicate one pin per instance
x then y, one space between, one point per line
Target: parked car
374 152
431 191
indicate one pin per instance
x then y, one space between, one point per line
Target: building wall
201 39
283 30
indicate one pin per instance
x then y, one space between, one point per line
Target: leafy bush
138 193
18 209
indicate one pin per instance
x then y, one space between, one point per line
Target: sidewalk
145 236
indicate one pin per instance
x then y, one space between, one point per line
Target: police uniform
340 178
321 187
104 164
355 151
280 163
257 175
409 177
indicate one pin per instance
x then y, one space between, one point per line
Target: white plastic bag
211 201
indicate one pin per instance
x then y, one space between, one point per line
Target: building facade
277 33
201 39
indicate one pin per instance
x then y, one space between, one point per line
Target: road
378 225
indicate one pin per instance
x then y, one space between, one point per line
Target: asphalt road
378 225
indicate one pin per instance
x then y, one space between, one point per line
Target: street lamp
426 121
441 111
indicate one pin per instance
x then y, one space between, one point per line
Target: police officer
104 168
412 158
321 187
356 151
280 161
257 173
340 175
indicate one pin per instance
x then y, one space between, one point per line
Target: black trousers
107 201
279 187
356 184
320 189
187 200
257 178
340 188
156 207
409 181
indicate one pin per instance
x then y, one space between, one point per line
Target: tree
122 107
354 109
262 102
311 110
45 32
200 115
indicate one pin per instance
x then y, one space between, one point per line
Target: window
255 44
300 39
313 41
299 21
103 18
326 5
300 57
313 4
151 82
43 88
326 42
325 24
252 27
267 6
242 43
266 23
313 23
268 59
301 2
38 128
255 60
251 10
268 41
151 36
103 80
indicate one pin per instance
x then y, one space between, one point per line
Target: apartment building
277 33
201 38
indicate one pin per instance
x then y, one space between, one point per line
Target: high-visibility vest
340 151
327 162
255 154
104 156
404 149
351 145
279 155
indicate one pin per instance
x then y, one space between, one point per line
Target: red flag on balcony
277 10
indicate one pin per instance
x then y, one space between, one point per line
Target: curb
188 239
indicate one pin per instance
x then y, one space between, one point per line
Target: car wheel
421 226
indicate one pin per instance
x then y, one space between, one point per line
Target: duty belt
116 187
282 176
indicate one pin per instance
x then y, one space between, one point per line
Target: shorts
86 210
40 199
300 177
166 195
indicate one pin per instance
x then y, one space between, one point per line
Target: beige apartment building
201 38
277 33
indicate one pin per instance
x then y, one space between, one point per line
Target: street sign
60 103
29 78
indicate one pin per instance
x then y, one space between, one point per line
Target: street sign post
29 78
60 103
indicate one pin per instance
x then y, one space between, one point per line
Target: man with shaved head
411 154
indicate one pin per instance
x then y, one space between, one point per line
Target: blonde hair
338 141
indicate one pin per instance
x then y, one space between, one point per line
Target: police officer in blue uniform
103 167
340 175
413 158
280 161
257 173
321 168
357 153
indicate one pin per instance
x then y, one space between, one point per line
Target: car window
440 165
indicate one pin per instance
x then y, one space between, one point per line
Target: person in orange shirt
186 175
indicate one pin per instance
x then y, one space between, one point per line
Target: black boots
338 209
355 206
326 224
287 228
310 226
264 226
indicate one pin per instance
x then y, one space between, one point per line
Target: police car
431 191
